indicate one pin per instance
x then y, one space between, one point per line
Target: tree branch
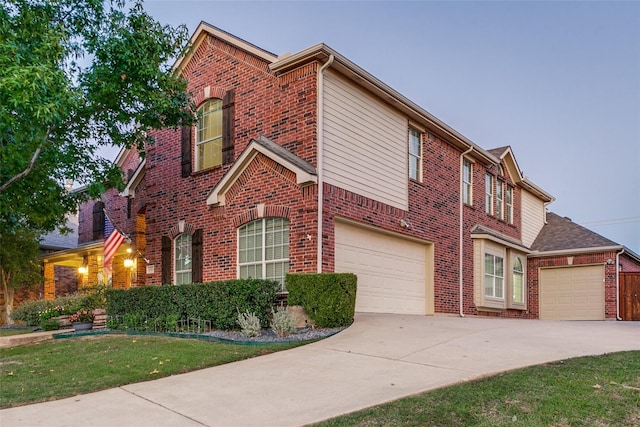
29 168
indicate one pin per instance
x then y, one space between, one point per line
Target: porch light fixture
83 269
128 263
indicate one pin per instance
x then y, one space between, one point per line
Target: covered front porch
86 263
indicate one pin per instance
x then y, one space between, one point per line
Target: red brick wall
602 258
283 109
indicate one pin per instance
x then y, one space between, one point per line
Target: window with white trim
509 204
182 259
488 194
415 154
209 135
500 199
467 178
493 276
517 284
263 249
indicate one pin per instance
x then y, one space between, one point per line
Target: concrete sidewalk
378 359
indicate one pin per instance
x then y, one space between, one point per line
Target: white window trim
494 276
175 258
417 156
488 199
500 199
467 186
263 261
511 302
198 143
509 203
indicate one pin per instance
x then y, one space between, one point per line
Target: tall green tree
76 76
19 264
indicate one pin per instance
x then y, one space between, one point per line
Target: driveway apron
381 357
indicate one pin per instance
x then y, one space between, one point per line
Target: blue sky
557 81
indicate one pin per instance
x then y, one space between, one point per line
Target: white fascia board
561 252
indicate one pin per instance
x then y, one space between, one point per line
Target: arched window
518 281
209 135
182 259
263 249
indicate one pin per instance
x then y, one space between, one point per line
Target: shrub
29 311
249 324
216 302
283 323
328 298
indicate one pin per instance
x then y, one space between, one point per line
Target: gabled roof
506 156
305 172
138 174
562 234
205 28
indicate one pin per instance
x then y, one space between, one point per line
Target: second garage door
572 293
394 274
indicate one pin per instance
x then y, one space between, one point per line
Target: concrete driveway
378 359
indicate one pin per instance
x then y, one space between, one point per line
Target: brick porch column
49 281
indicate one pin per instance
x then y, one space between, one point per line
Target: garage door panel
572 293
391 271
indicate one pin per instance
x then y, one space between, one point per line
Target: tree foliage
76 76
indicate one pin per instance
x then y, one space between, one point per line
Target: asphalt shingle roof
560 233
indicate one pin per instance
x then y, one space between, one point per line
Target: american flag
111 246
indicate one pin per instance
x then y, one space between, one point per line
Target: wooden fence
630 296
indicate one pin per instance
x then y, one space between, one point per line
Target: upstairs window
488 194
500 199
466 182
415 154
209 135
182 259
263 249
509 204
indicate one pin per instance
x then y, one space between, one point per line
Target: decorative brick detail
186 228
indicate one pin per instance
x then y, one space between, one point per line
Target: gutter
320 153
461 250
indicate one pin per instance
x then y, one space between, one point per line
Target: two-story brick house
308 163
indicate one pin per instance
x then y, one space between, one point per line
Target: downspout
618 284
461 254
320 154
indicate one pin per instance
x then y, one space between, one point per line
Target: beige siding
365 143
532 217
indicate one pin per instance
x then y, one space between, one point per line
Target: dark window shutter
166 260
98 221
186 151
196 253
228 115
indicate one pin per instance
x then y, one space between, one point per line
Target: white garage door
572 293
392 272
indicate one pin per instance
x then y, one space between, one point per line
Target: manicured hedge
328 298
218 302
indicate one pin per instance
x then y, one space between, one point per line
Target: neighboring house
307 163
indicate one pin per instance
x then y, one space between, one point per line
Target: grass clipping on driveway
62 368
586 391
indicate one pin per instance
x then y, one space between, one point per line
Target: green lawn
66 367
587 391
